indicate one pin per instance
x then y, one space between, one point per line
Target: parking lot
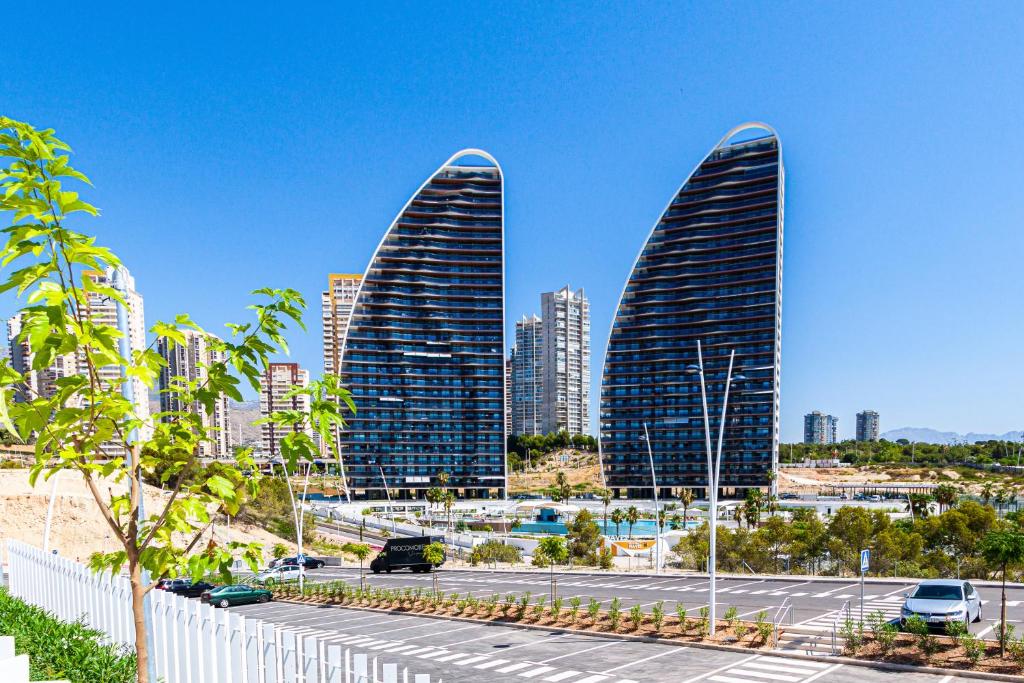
815 600
460 651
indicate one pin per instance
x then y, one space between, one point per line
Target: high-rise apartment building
867 426
190 362
710 272
565 316
528 377
508 397
336 304
275 384
100 310
820 428
424 351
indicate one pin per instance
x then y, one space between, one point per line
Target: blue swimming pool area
644 527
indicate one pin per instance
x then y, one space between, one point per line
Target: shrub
658 616
615 613
556 608
702 623
510 599
604 558
594 610
955 630
731 617
926 642
574 608
636 616
681 615
763 627
1005 635
524 604
57 649
538 608
1015 648
853 636
495 551
973 647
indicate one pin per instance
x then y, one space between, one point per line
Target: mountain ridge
929 435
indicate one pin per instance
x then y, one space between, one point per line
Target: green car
224 596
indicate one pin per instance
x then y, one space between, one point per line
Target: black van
399 553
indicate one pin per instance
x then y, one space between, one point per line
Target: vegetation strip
61 650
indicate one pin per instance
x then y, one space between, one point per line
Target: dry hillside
580 467
78 528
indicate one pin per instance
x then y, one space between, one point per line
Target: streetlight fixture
714 467
657 510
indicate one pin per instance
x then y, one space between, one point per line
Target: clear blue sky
271 144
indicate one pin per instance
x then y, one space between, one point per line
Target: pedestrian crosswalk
888 606
470 661
766 669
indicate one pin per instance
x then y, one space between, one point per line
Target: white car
287 572
940 600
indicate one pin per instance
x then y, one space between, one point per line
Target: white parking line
715 671
577 652
670 651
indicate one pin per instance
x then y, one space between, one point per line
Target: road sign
865 560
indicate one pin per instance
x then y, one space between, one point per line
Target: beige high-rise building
337 304
190 362
566 361
274 385
100 310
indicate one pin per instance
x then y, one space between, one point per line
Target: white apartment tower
190 362
101 310
527 377
274 385
566 361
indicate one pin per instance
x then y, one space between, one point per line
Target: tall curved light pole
657 509
714 468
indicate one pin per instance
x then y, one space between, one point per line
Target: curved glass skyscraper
423 354
711 271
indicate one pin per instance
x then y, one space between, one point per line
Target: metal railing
783 613
843 613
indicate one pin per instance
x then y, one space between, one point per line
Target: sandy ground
78 528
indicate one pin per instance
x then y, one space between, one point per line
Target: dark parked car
304 560
225 596
185 587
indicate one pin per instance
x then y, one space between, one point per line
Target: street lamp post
657 509
391 507
714 467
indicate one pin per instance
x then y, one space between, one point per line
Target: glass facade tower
423 354
711 271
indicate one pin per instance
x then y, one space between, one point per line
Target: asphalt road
460 651
815 601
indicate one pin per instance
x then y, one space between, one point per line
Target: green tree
361 551
553 550
562 492
606 499
632 517
91 417
449 503
1002 550
434 554
583 537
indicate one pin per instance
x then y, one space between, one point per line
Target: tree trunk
1002 618
139 617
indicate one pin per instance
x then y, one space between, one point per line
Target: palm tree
737 515
686 499
562 490
1002 549
618 518
986 493
606 498
946 496
449 501
632 517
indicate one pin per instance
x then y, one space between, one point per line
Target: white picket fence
14 669
192 642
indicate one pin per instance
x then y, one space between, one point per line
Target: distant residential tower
565 315
820 428
190 362
867 425
528 377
